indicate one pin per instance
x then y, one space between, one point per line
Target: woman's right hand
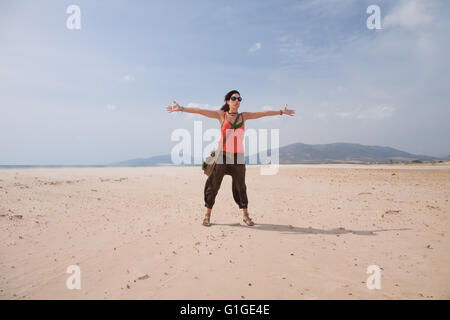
174 107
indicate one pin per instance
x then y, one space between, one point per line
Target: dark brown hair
226 107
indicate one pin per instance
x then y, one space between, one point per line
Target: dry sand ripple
136 233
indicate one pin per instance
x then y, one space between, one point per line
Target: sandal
206 222
248 221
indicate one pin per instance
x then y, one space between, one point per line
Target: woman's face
236 103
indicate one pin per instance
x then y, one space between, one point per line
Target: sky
98 94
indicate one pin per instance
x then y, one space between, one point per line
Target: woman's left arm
257 115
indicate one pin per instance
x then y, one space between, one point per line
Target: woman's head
231 100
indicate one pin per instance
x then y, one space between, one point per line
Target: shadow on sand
289 229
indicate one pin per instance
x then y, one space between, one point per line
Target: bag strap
229 132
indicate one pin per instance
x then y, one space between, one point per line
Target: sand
136 233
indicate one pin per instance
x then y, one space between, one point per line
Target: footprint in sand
144 277
392 211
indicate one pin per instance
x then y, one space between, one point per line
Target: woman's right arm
215 114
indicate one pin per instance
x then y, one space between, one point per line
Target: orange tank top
235 140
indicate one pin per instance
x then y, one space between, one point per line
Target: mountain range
298 153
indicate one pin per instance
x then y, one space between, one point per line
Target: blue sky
98 94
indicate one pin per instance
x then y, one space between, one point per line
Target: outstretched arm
204 112
257 115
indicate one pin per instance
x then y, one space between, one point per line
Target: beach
136 233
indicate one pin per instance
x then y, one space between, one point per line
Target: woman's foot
206 222
247 220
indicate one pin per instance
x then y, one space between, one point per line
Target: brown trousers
233 165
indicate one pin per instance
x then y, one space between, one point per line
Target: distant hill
318 153
152 161
346 153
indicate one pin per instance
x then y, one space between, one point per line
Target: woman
232 151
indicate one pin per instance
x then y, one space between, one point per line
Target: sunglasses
234 99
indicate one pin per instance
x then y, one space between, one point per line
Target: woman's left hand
288 111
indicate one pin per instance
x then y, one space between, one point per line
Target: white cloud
378 112
321 115
321 8
254 48
128 78
338 89
111 107
297 53
374 113
410 15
